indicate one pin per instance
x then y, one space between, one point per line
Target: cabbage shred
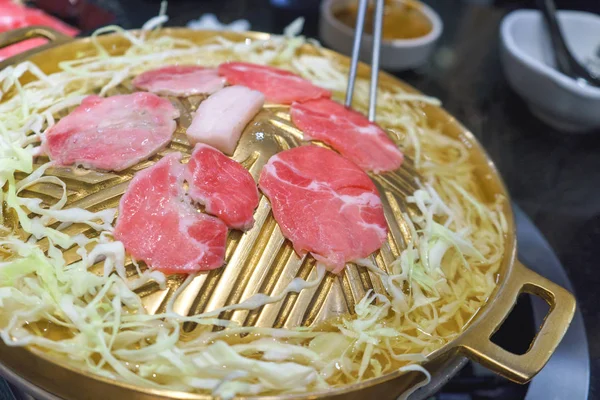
433 289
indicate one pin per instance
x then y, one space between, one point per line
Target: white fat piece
222 117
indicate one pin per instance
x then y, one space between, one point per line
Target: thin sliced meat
220 119
349 132
223 185
112 133
180 80
278 85
159 226
324 204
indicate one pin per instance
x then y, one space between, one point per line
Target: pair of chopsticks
358 33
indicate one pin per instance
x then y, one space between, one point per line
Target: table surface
554 177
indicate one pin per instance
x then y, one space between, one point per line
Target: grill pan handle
477 345
30 32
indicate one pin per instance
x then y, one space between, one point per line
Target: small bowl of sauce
401 19
410 31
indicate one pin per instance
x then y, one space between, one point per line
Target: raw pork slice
324 204
223 185
278 85
112 133
220 119
156 223
349 132
180 80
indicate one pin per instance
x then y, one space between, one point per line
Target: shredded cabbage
64 286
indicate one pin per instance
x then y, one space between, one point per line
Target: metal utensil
358 32
565 61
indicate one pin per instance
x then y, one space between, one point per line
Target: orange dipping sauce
401 19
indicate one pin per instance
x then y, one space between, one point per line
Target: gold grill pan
261 261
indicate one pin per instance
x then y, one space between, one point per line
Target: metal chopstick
358 30
360 23
375 60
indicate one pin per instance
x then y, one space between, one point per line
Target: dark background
553 176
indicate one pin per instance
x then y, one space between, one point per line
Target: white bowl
398 54
530 69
